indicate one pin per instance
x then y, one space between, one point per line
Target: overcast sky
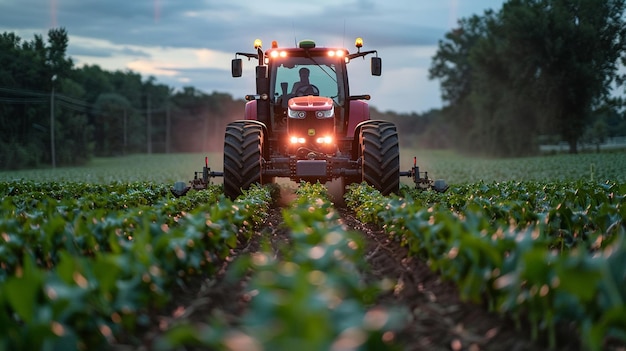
191 42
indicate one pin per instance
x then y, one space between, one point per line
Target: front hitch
424 183
180 188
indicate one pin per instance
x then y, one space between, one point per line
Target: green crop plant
84 264
552 252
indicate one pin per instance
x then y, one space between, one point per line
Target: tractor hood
310 103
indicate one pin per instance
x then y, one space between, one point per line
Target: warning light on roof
274 44
258 43
358 42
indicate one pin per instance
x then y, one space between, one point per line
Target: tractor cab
302 73
286 73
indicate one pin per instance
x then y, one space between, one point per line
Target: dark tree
536 66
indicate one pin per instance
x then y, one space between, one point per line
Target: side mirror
236 67
377 66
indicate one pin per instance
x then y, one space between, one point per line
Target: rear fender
250 112
359 112
251 116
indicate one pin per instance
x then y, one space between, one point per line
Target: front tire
243 146
380 156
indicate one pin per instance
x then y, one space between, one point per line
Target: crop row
550 253
82 264
309 295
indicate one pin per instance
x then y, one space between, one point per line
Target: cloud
225 24
192 42
89 47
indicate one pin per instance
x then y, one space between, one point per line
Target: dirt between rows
439 320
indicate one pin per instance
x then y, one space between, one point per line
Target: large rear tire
243 146
380 156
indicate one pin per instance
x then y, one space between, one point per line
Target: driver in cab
303 82
303 87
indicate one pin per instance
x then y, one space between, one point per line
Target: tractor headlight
297 140
337 53
327 140
277 54
296 114
325 114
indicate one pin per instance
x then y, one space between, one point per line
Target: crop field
453 168
160 169
518 254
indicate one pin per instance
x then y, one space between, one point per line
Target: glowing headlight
276 54
325 114
336 53
297 140
325 140
296 114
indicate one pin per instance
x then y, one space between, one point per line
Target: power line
24 92
45 96
72 107
18 101
73 100
38 97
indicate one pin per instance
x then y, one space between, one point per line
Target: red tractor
303 124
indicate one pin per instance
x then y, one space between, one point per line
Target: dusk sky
191 43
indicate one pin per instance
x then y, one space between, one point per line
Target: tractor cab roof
305 48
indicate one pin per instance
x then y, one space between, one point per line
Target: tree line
534 72
95 112
535 68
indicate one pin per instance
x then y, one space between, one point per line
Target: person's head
304 73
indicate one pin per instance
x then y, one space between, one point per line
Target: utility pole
149 127
205 133
52 150
125 134
168 127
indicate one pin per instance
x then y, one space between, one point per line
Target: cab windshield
300 76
